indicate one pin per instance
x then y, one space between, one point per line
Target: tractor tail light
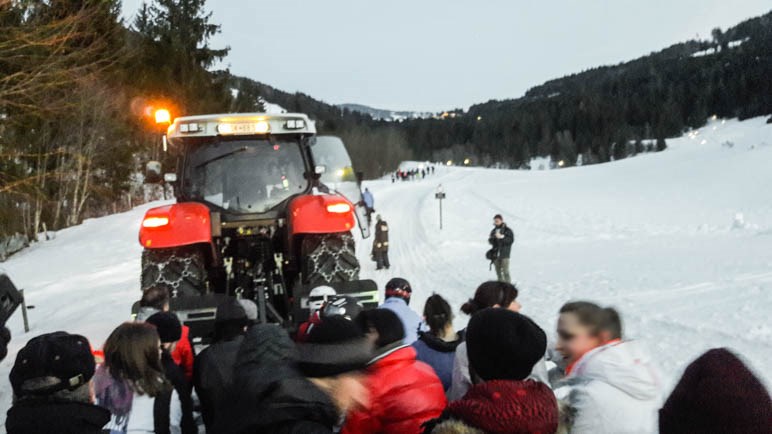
339 208
155 222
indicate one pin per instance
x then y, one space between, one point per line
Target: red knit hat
508 407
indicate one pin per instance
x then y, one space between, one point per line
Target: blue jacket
368 199
438 354
410 320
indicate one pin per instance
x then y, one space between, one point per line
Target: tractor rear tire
329 258
181 269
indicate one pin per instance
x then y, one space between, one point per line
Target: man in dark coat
213 369
501 240
51 382
279 388
381 244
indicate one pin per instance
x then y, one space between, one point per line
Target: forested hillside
601 113
77 90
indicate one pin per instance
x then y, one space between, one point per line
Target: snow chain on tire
180 269
330 258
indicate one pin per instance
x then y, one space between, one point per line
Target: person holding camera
501 240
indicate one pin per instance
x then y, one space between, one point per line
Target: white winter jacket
612 389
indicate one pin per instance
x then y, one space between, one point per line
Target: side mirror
153 172
320 170
170 178
10 298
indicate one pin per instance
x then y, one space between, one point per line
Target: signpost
440 195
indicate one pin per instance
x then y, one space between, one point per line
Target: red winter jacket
404 393
183 354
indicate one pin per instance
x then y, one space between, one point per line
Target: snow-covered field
658 236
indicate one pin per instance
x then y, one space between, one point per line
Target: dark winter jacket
269 394
501 407
30 417
438 354
213 375
176 377
381 242
404 393
502 246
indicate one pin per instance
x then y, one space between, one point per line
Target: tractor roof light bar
240 124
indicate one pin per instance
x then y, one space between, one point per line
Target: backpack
492 254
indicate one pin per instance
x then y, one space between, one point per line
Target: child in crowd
437 347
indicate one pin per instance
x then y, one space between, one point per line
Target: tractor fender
175 225
321 214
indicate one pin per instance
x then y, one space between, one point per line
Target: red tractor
265 211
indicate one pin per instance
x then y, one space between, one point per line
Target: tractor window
339 174
247 175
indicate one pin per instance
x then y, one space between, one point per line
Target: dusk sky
432 55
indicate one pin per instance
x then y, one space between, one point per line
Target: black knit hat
334 329
231 311
503 345
59 355
385 322
168 326
334 347
717 393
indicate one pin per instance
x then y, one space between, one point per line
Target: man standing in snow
381 244
501 239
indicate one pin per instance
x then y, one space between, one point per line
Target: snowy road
652 236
